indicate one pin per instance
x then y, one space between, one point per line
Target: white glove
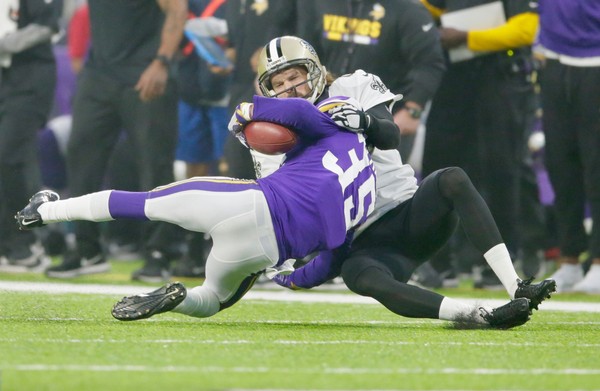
347 113
239 119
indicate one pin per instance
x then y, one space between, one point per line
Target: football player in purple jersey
325 189
410 223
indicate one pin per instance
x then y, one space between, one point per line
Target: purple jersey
325 187
570 27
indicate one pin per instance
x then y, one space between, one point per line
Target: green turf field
69 341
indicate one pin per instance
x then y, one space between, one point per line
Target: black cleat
515 313
29 217
536 293
148 304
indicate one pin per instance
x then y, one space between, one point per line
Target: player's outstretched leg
28 217
536 293
146 305
513 314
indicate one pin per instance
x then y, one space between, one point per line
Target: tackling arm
382 132
297 114
324 267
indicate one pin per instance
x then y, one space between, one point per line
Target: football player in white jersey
410 223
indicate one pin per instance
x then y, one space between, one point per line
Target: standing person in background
482 112
203 99
570 88
125 84
203 117
251 23
122 237
27 85
394 39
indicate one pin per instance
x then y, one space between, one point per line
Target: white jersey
396 182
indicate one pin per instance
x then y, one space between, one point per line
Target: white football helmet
284 52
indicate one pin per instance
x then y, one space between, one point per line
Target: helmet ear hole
284 52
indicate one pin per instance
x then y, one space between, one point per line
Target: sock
199 302
90 207
499 260
455 310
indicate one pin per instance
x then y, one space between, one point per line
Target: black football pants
571 121
24 109
102 109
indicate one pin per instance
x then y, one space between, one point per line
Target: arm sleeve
295 113
518 31
25 38
382 132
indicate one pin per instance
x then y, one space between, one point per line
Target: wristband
166 61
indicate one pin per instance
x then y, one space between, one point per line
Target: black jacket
394 39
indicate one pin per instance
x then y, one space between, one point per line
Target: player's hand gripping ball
269 138
241 116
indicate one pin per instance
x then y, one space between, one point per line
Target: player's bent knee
363 280
452 180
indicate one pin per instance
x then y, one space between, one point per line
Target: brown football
269 138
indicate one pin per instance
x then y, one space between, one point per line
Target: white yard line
290 343
316 370
268 295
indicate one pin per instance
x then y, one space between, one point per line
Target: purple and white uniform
325 188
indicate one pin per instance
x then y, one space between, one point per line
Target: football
269 138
